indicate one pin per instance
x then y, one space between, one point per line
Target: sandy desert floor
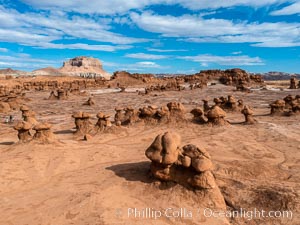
96 182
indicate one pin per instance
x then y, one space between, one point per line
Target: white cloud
165 50
288 10
3 50
117 6
41 29
236 53
106 48
148 65
207 59
143 66
145 56
24 62
196 29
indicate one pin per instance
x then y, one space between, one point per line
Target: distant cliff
278 75
85 66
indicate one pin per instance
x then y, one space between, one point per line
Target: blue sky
155 36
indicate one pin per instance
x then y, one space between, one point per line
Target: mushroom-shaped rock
216 116
43 133
177 111
131 115
198 115
277 107
103 122
248 113
23 129
188 165
231 103
119 116
82 123
149 114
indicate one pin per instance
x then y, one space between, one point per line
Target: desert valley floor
79 182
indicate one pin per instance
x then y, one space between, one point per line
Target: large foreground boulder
189 166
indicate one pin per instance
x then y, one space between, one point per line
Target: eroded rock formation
103 122
43 133
28 115
84 66
216 116
189 165
82 123
198 115
89 102
293 83
23 129
248 113
277 108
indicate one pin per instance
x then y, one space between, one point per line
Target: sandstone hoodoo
103 122
23 129
85 67
89 102
61 94
293 83
28 115
277 108
149 114
288 106
206 107
131 115
248 113
189 165
119 116
82 123
198 115
231 104
43 133
216 116
177 112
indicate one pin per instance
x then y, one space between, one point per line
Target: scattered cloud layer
24 61
147 34
288 10
42 29
117 6
3 50
207 59
145 56
196 29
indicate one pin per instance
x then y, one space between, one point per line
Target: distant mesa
84 66
79 66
